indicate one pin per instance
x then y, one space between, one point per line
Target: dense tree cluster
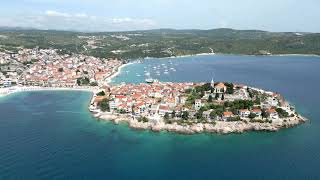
282 113
238 104
83 81
86 82
104 105
143 119
101 93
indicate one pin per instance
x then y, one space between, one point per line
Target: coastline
218 127
306 55
182 56
92 89
9 91
118 72
223 54
108 80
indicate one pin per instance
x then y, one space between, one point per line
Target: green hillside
164 42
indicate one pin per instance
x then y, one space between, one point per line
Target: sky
123 15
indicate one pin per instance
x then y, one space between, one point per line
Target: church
218 88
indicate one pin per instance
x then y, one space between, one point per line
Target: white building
197 104
273 101
114 104
244 113
272 113
257 112
163 109
206 114
183 100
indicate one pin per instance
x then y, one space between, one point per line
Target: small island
190 108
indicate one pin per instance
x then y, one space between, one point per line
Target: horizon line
17 28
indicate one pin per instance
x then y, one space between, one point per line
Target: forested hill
163 42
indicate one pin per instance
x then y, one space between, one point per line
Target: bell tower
212 83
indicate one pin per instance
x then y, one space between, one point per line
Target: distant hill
163 42
4 28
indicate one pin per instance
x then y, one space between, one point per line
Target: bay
51 135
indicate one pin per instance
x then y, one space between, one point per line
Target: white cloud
121 20
78 21
83 15
55 13
135 21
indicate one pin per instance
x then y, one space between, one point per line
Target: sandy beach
119 69
16 89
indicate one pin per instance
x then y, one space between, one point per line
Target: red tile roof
220 85
271 111
256 110
163 107
227 113
121 97
140 104
244 110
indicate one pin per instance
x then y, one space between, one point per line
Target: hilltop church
219 88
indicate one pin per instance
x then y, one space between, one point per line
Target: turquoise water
51 135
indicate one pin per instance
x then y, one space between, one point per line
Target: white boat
149 79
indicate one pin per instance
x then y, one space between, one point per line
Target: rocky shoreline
219 127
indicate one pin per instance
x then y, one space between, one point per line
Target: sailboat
149 79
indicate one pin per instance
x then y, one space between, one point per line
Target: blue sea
51 134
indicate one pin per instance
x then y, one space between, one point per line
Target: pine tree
166 117
217 96
173 115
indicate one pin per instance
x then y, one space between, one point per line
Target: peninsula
190 108
212 107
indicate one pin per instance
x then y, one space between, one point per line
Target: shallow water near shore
51 134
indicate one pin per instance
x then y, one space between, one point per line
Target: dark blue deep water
51 135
